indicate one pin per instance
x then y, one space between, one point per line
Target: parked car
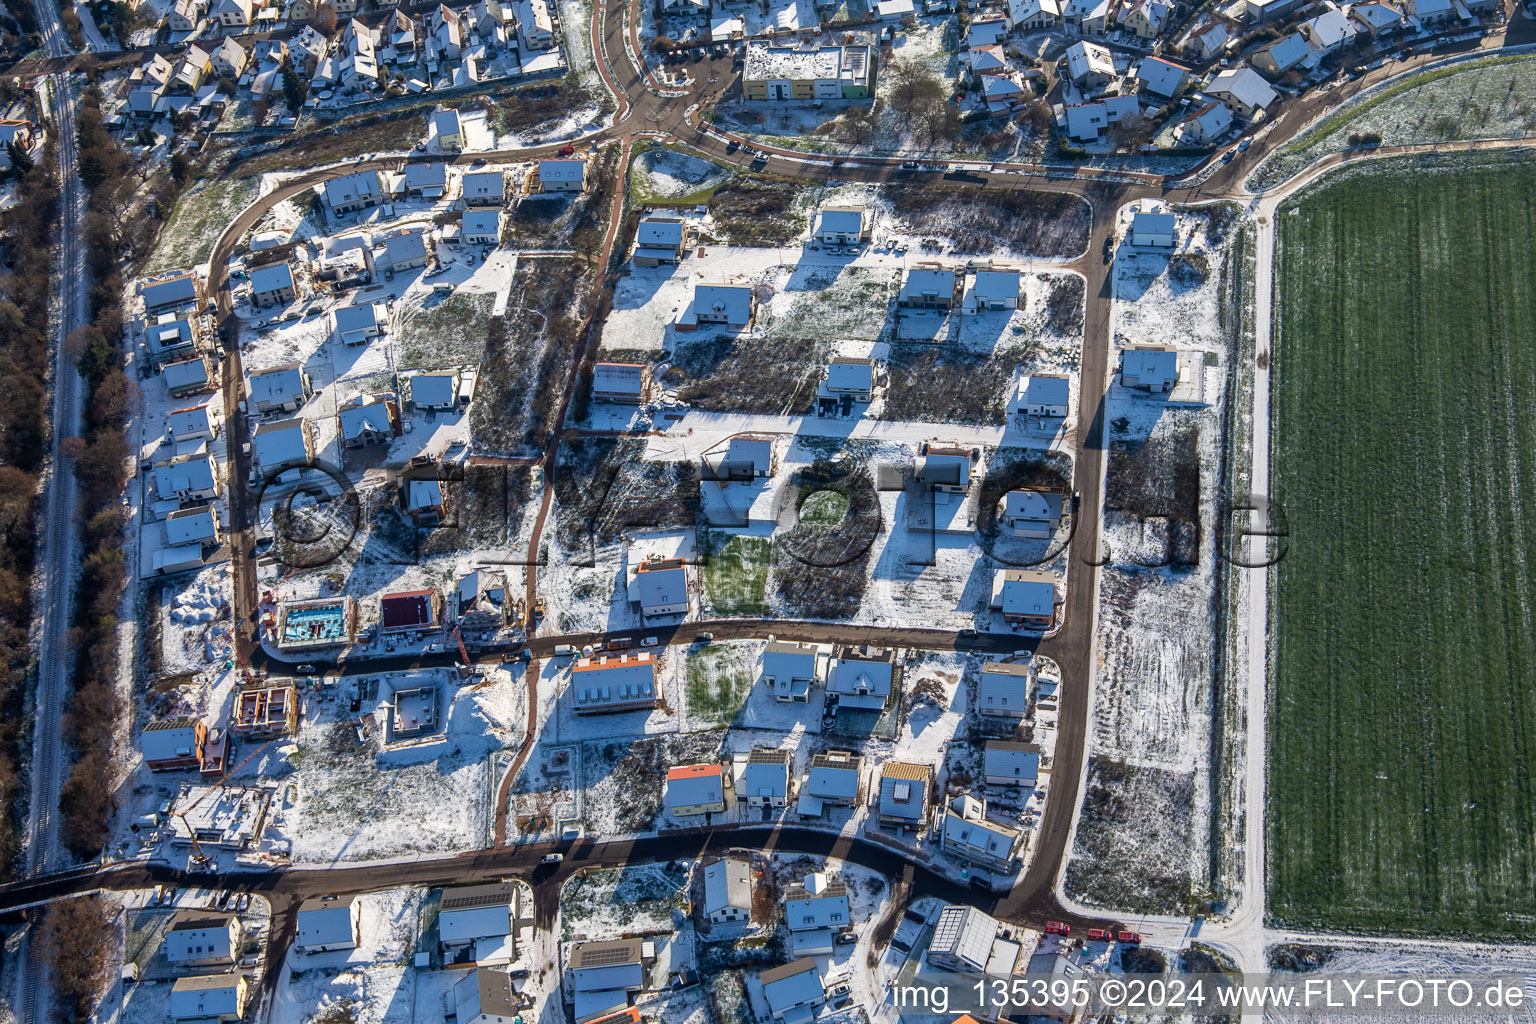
649 641
703 638
552 858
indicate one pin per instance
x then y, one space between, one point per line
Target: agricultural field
1403 718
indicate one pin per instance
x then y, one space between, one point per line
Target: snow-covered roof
660 232
851 374
832 778
405 248
427 176
435 390
327 922
184 373
562 170
618 378
1026 592
281 442
446 122
475 912
364 414
1085 58
995 285
484 185
792 985
169 738
727 884
843 220
1005 759
1330 29
693 785
920 284
197 419
732 301
1288 52
191 526
973 835
985 31
423 493
481 223
1153 224
855 676
193 474
1244 85
766 775
1161 77
277 386
170 292
359 317
1028 503
662 587
1003 687
272 278
613 681
819 903
1051 389
360 187
904 790
208 996
966 934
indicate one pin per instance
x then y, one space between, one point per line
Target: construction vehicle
1100 935
1057 928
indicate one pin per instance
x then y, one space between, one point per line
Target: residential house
355 324
1263 12
1153 368
210 998
1329 31
445 34
196 422
327 923
1243 90
728 305
1033 512
1008 763
445 124
202 938
1026 597
280 389
173 744
484 188
185 15
843 225
1002 689
187 376
229 59
1378 20
604 975
659 240
486 996
946 467
794 991
989 289
1146 19
618 383
354 192
436 389
984 60
904 790
815 913
171 293
986 30
1090 66
1162 78
745 457
535 28
426 181
1154 230
1087 122
187 478
832 780
662 586
728 891
562 175
480 227
779 72
968 835
1044 396
368 420
273 285
789 670
963 941
1210 42
197 527
694 789
861 678
928 286
765 779
1032 15
1002 93
613 682
405 251
233 13
279 444
477 916
309 47
847 380
1283 55
1433 13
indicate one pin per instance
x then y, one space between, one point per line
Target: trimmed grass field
736 577
1403 735
718 684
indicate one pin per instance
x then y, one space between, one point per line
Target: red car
1057 928
1129 938
567 150
1100 935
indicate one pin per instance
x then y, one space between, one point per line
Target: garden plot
202 213
669 174
1491 98
612 902
355 803
434 331
716 684
736 576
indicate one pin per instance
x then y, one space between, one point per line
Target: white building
765 779
327 923
1002 689
789 670
815 912
198 938
1007 763
621 682
794 991
861 677
728 891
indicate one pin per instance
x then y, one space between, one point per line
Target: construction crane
199 859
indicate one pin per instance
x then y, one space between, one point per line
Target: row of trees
114 225
28 232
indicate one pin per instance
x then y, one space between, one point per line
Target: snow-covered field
357 802
1142 840
670 175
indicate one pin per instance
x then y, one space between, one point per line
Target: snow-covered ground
670 174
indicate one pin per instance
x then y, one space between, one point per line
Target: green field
718 683
1403 717
736 577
